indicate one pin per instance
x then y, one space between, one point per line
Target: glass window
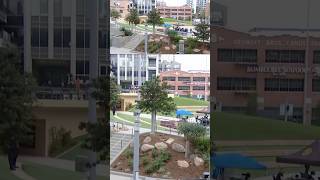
82 67
276 84
184 88
35 37
199 79
285 56
57 8
240 84
185 79
198 88
237 55
83 39
316 57
316 85
169 78
43 37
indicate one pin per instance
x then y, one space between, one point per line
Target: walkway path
21 174
118 141
61 164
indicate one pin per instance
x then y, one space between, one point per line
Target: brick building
176 12
269 68
194 84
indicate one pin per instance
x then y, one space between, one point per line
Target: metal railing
54 93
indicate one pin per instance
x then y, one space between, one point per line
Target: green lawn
183 101
5 172
49 173
131 118
231 126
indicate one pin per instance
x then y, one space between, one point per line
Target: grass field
229 126
131 118
5 172
49 173
183 101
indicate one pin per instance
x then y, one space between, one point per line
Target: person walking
114 109
12 153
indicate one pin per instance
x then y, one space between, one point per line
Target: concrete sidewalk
61 164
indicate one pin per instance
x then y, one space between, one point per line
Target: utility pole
93 74
136 142
306 117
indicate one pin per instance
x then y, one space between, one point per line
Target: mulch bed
172 169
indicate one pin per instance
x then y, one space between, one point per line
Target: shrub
154 166
126 32
202 145
59 139
145 161
192 42
130 163
128 153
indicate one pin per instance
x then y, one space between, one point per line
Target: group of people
203 121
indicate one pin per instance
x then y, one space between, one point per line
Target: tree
133 18
16 99
106 93
154 98
202 31
191 131
154 19
115 14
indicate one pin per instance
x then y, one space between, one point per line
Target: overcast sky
246 14
190 61
175 2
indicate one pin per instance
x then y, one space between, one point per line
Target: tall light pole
306 117
93 74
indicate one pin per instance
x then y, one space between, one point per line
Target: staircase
118 141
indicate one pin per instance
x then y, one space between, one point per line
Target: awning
310 155
235 161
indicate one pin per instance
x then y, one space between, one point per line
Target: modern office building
166 65
190 3
145 6
177 12
201 5
125 68
277 71
122 6
53 37
194 84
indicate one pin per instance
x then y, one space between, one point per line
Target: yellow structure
127 100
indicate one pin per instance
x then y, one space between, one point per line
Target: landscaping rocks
167 48
147 140
198 161
161 146
170 141
183 163
178 147
146 147
127 170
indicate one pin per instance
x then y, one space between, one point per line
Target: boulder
183 163
147 140
178 147
198 161
161 146
146 147
170 141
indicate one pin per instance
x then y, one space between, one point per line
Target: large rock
147 140
178 147
161 146
170 141
146 147
183 163
198 161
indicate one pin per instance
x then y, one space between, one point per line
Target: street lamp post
136 143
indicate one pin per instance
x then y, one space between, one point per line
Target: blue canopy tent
167 25
183 112
233 161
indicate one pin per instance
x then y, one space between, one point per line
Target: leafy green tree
115 14
16 99
106 93
133 18
154 19
191 131
154 98
202 31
